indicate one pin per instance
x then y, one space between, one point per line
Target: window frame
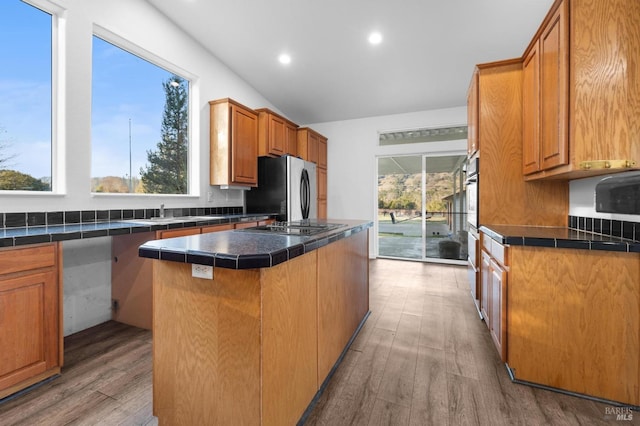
58 75
193 150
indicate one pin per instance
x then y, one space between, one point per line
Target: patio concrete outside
404 238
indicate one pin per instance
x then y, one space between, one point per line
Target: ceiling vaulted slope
424 62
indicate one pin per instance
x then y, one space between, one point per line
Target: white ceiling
424 61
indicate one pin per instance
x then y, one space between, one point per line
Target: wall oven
473 238
472 191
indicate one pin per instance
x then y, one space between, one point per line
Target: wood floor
422 358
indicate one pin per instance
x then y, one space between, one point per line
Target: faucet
162 210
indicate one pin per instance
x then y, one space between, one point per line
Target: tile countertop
246 250
44 234
558 237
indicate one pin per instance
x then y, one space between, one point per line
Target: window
433 134
25 98
140 124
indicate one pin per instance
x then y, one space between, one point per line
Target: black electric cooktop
301 228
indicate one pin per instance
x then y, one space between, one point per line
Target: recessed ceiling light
284 59
375 38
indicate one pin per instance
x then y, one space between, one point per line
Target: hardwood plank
430 395
367 374
466 406
326 409
388 413
397 381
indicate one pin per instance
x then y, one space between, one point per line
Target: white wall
87 263
352 151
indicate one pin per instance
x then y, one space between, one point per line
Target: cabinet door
131 280
554 74
322 184
291 139
531 111
498 311
308 145
472 115
277 135
485 285
29 327
244 140
322 153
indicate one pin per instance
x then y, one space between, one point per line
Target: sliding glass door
422 208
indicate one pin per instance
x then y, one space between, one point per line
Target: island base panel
206 346
343 296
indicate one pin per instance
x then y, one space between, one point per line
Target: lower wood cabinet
493 301
574 320
30 316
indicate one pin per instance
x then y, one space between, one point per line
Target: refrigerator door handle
304 193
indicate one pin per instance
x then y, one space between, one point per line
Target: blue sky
124 88
25 87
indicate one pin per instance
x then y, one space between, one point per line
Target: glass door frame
423 207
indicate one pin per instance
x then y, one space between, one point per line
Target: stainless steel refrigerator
286 187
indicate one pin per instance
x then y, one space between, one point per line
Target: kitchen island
256 339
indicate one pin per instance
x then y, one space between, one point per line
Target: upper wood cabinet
233 144
308 141
581 95
472 115
276 135
30 316
499 123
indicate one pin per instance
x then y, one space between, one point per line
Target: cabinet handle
607 164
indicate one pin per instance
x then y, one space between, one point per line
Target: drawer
181 232
495 249
217 228
27 258
241 225
499 252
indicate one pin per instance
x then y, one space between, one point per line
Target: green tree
166 171
13 180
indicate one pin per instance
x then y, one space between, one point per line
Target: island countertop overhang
246 250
